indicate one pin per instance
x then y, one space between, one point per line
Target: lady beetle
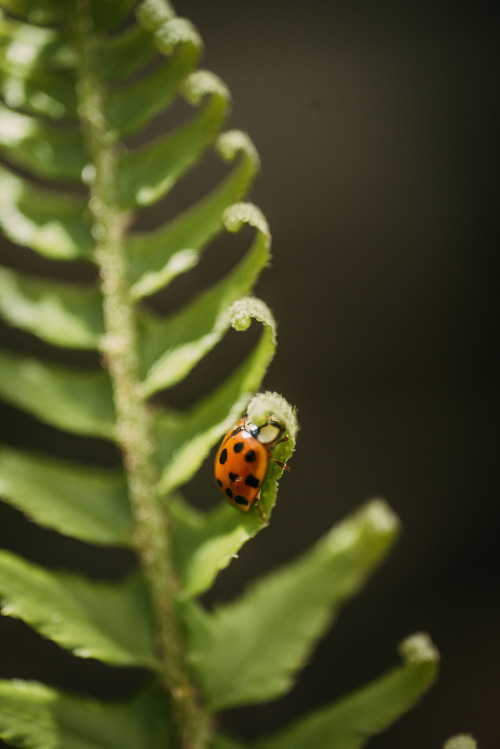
242 461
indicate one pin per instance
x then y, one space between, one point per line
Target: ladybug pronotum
242 460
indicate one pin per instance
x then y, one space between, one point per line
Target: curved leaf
172 347
80 402
93 620
61 314
27 45
50 93
43 150
130 107
149 172
239 652
86 503
49 222
349 723
159 256
205 543
185 439
125 53
33 716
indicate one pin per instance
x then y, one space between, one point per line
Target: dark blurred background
376 127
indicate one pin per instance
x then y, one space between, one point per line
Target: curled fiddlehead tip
201 83
419 648
154 13
230 143
269 403
243 311
158 16
239 214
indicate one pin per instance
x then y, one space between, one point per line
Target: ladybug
242 460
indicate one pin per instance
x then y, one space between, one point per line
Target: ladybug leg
259 508
280 464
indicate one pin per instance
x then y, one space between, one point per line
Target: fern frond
83 84
73 89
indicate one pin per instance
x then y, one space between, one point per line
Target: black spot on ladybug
250 457
238 447
223 457
229 493
233 477
241 500
252 481
219 482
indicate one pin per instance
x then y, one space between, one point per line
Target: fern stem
134 425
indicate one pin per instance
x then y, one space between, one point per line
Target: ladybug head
267 434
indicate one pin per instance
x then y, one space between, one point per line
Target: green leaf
125 53
50 93
250 650
33 716
49 222
159 256
172 347
130 107
80 402
26 45
187 438
82 502
350 722
106 15
205 543
58 313
92 620
149 172
43 150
